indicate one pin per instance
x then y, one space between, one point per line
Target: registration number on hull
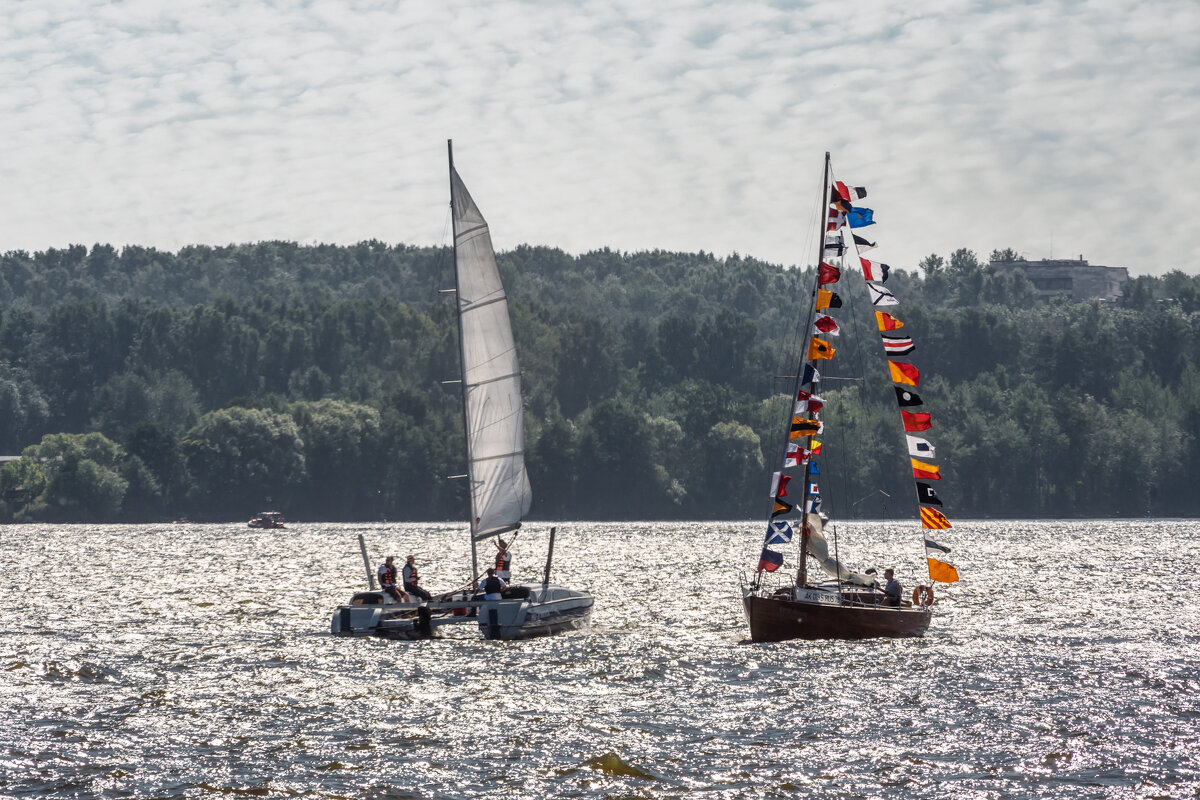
824 598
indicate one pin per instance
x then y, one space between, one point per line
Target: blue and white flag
779 532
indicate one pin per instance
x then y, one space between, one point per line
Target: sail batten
500 491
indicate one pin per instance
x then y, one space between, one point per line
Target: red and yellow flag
904 373
886 321
933 519
928 471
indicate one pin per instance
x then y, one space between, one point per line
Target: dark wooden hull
777 620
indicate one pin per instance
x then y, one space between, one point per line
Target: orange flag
941 571
904 373
819 348
827 299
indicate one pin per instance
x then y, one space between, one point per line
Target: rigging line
806 336
858 343
792 349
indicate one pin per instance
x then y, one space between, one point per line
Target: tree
344 459
242 458
83 480
616 473
731 477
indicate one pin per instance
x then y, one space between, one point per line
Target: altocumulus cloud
1048 126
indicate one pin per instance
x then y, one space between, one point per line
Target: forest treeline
212 383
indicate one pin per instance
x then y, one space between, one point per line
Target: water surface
195 661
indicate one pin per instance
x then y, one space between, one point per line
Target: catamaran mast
462 363
802 572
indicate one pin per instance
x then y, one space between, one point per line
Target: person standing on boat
492 586
891 589
387 580
411 578
503 561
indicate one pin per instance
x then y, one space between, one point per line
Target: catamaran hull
776 620
561 610
524 619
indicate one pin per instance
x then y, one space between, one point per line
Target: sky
1056 128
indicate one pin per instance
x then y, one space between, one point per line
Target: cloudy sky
1054 127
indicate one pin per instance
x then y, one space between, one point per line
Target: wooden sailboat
845 604
495 445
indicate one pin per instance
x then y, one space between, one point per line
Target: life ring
923 596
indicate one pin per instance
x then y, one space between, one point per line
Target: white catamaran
500 491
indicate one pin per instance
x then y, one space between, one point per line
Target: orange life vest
388 578
503 559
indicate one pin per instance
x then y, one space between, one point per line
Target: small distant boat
499 487
267 519
847 604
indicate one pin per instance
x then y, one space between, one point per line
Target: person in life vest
492 586
387 580
411 577
503 560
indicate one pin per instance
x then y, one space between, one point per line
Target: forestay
500 492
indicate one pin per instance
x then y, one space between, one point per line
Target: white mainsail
500 492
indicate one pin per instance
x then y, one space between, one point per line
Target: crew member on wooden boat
412 579
387 580
492 586
503 560
892 588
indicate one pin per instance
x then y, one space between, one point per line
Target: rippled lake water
195 661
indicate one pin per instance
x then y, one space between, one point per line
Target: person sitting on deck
892 589
387 581
492 586
503 560
411 577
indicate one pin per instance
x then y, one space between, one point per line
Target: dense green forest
212 383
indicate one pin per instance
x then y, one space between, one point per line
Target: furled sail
818 548
500 492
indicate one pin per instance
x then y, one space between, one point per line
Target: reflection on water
188 660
